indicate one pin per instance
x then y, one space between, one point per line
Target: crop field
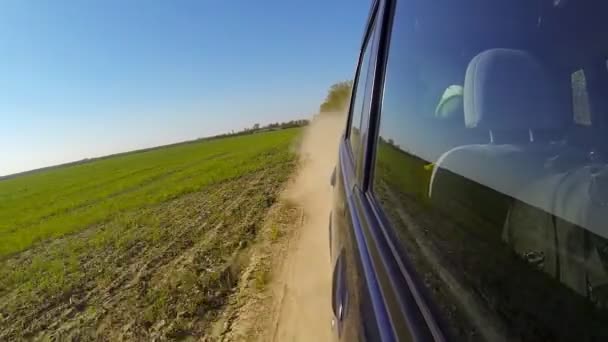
134 246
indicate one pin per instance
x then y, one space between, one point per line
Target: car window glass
359 97
500 212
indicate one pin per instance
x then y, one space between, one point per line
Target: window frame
395 252
377 98
374 70
371 36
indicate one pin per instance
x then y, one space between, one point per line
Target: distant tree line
269 127
338 97
288 124
254 129
389 141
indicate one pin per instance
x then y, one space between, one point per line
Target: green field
149 236
52 203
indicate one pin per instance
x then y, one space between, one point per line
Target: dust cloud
318 155
305 313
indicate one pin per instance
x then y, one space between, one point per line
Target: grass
275 232
261 278
52 203
141 244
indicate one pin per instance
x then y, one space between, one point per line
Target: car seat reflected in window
503 216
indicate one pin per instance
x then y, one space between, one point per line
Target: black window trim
366 105
367 39
377 95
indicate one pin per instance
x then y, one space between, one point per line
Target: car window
359 94
500 212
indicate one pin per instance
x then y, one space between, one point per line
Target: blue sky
88 78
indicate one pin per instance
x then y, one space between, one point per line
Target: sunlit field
150 236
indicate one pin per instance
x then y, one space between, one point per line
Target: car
470 196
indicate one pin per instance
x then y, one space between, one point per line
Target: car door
353 320
374 298
481 208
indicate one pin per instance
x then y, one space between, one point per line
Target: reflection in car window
495 196
357 108
580 98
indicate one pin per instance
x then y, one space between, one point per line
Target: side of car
470 193
368 298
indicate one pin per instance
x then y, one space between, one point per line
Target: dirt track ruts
303 287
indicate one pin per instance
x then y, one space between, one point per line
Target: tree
338 97
256 126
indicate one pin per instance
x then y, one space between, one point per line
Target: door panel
358 319
354 317
358 304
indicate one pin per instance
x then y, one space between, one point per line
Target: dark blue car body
380 291
374 297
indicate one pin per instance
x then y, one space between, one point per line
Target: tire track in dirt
304 285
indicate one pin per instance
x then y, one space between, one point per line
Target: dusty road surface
284 292
301 290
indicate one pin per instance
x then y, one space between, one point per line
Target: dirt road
292 300
302 288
